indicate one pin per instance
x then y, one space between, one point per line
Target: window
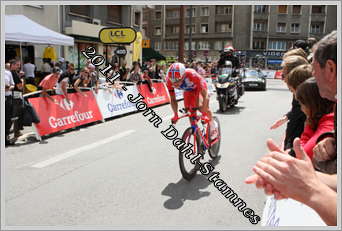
174 29
223 27
224 9
282 9
193 45
193 12
318 9
205 11
277 45
316 27
259 26
172 13
171 45
259 44
158 15
114 14
203 45
83 10
157 30
218 45
187 29
204 28
295 28
157 45
137 18
296 9
281 27
260 9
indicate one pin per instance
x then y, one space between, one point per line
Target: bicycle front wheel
187 168
215 144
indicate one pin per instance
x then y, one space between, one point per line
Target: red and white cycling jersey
192 82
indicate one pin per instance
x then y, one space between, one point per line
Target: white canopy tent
19 28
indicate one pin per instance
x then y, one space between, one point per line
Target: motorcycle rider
228 55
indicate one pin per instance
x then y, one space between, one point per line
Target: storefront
264 59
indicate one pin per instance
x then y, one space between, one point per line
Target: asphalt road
124 173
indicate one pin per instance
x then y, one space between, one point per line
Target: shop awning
19 28
149 53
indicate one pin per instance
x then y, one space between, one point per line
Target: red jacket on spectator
309 137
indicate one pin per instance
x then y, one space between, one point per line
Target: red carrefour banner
157 97
54 117
278 75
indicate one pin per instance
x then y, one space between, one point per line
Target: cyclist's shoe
174 119
213 130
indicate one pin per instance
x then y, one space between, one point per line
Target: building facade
256 31
83 23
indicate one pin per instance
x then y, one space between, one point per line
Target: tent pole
21 57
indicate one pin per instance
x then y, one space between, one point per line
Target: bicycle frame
194 118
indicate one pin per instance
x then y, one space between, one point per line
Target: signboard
117 35
54 117
146 43
114 102
158 97
120 51
288 212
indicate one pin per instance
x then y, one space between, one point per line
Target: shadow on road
231 111
184 190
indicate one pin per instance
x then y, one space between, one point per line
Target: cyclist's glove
174 119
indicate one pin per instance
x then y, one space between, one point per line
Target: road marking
76 151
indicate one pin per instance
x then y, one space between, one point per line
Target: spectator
147 79
93 77
325 71
136 75
297 51
63 65
9 87
18 110
200 69
295 117
123 71
46 68
157 72
300 44
49 82
318 111
29 70
83 80
286 176
64 80
163 72
298 75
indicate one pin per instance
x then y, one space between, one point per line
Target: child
318 111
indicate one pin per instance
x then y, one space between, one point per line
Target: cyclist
195 92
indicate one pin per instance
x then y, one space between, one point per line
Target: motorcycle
229 87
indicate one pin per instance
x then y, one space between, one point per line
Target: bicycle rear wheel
188 169
215 148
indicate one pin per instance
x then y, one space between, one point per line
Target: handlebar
192 113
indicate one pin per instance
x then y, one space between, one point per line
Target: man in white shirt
29 69
9 86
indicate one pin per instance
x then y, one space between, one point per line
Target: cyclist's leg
204 105
188 101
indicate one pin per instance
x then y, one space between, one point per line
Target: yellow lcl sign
122 35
